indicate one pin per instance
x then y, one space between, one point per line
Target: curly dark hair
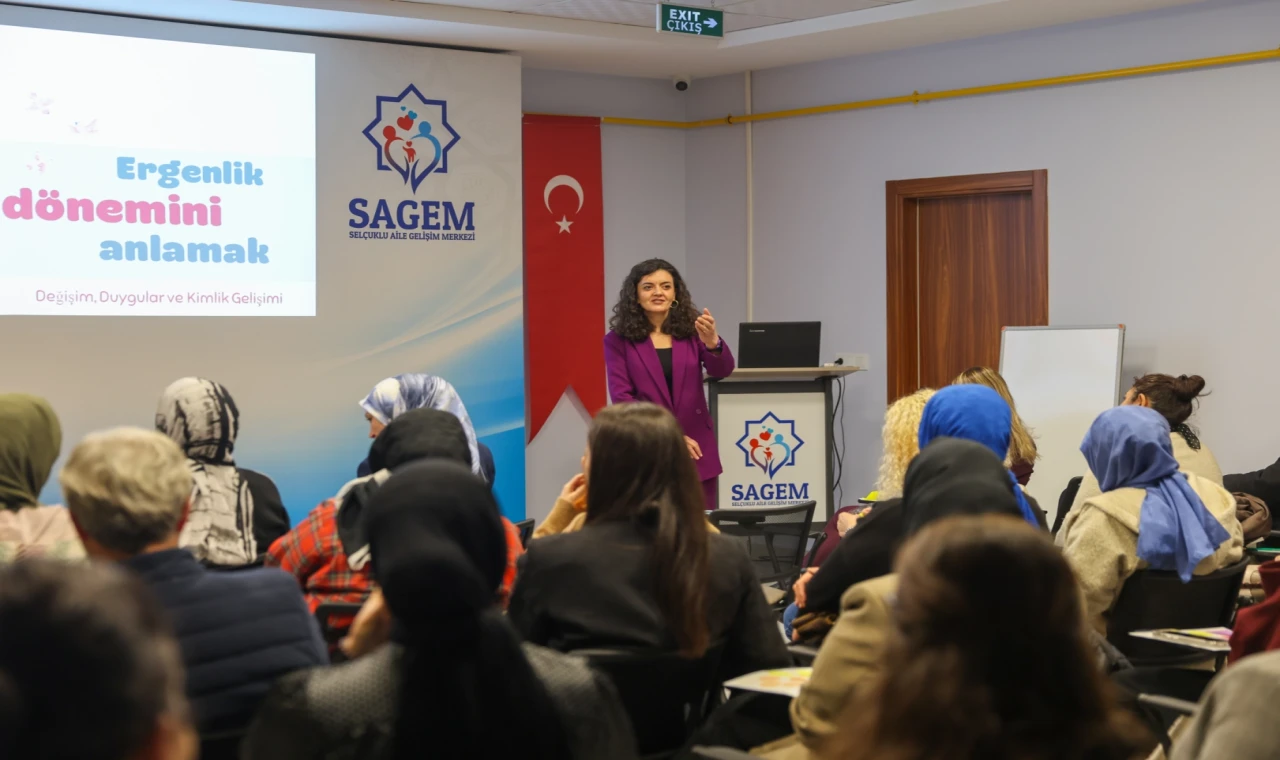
629 319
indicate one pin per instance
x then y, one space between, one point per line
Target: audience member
456 682
1237 717
1257 627
866 549
901 439
644 572
987 657
30 438
1175 398
328 551
403 393
1148 515
88 667
970 412
977 413
1022 447
949 477
1264 484
235 513
129 492
569 513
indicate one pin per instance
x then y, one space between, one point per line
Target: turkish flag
563 264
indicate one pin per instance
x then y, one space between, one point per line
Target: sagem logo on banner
411 138
768 445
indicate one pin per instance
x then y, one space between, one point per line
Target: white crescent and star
563 180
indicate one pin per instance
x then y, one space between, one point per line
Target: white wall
1162 195
644 216
716 192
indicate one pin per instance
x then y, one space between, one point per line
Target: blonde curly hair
901 439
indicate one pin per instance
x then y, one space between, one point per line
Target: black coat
239 631
593 589
1264 484
865 552
270 520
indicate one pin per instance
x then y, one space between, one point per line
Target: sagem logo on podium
768 445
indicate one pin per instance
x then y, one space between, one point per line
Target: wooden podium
775 430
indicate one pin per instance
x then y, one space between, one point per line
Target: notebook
1207 639
784 681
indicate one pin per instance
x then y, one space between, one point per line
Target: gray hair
127 487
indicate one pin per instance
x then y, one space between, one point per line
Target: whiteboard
1061 379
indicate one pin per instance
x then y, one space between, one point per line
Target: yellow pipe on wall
963 92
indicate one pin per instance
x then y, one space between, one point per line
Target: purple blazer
635 374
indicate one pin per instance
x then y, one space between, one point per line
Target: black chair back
525 527
753 522
817 544
1065 500
1159 599
666 696
221 746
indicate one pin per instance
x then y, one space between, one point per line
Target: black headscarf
413 436
439 552
952 477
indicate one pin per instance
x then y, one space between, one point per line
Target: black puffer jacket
239 631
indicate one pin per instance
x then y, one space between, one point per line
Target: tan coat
1237 714
1100 540
1190 461
849 657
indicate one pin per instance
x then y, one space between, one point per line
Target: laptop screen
775 345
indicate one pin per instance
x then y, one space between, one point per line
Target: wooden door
966 257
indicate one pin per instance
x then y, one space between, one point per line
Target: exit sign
700 22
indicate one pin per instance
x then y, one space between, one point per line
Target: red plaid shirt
313 554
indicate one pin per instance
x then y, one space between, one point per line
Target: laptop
775 345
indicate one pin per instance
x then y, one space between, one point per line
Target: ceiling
738 14
612 37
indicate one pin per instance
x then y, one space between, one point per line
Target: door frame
901 199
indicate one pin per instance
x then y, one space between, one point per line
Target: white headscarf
202 418
396 395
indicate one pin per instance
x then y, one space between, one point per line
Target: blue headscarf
1129 447
975 413
415 390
